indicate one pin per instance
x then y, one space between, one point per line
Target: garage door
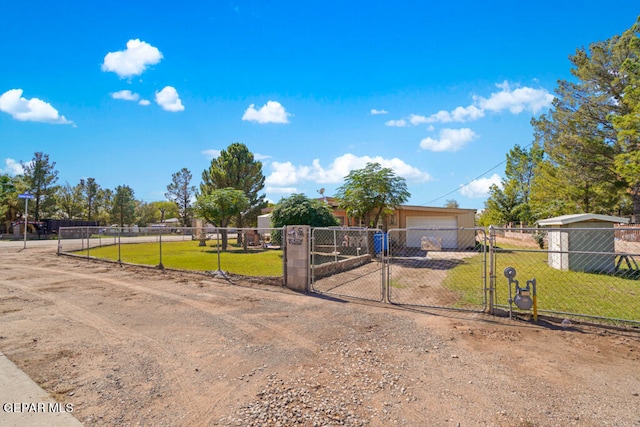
429 226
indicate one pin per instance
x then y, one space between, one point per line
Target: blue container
380 240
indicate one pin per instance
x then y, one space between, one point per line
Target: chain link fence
438 267
574 272
240 251
347 262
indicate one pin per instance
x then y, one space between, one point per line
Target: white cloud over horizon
271 112
375 112
12 167
286 173
515 100
169 99
449 140
132 61
480 187
30 110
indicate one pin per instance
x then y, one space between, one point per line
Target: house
423 220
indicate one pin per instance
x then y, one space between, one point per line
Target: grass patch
575 292
188 255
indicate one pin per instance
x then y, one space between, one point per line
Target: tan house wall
465 218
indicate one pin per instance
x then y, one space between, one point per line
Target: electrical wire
474 179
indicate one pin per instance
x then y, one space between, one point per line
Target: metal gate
348 262
404 266
437 267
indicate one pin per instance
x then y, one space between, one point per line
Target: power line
476 178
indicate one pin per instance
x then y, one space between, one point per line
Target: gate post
492 273
297 247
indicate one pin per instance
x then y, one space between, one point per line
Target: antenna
321 191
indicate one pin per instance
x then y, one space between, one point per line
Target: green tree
510 202
452 204
579 136
219 207
123 207
154 212
145 213
69 200
40 177
627 124
8 201
372 193
237 168
103 206
298 209
181 192
90 194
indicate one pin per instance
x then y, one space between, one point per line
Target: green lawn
558 291
187 255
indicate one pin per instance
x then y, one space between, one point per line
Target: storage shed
582 242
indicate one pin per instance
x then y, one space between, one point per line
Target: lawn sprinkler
525 297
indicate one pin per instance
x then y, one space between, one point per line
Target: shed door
449 237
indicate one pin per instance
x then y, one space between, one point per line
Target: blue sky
131 92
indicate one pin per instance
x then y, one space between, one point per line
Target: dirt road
134 346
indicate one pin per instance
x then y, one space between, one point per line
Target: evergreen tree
180 191
40 177
237 168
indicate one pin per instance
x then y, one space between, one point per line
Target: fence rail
243 251
580 272
589 273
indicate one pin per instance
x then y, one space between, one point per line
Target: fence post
297 240
160 266
492 276
384 266
119 233
218 247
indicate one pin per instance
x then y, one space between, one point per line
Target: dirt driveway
133 346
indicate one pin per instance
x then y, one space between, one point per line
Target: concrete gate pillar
297 254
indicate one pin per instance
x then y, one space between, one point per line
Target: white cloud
286 174
271 112
375 112
169 99
211 153
281 190
259 156
144 102
459 115
133 61
12 167
480 187
396 123
516 100
125 95
449 140
29 110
